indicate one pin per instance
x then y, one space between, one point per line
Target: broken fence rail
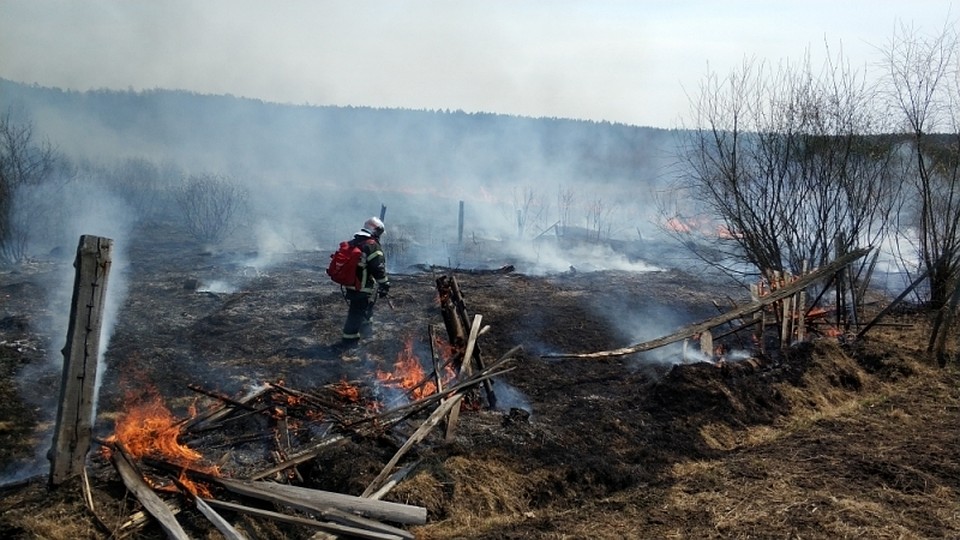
777 295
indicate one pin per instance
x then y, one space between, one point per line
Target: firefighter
372 276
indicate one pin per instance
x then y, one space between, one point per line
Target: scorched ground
828 440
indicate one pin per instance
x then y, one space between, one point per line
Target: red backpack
343 265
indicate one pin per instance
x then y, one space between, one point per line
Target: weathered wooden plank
317 500
73 428
757 305
466 371
477 355
353 520
300 457
394 479
225 527
211 417
151 501
350 532
421 433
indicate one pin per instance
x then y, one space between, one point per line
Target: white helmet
373 226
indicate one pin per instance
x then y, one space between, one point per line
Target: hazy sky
623 61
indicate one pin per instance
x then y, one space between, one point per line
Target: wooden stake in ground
71 436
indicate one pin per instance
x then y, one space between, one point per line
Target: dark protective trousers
358 315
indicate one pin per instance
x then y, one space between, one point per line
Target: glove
383 290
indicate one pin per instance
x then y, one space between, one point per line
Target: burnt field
827 440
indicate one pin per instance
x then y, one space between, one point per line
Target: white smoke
67 212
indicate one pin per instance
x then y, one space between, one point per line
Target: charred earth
826 440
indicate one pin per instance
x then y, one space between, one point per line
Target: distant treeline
370 146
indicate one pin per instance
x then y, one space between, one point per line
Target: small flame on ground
149 429
408 374
347 391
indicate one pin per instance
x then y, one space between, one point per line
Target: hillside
389 148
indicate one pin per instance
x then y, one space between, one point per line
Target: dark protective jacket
372 268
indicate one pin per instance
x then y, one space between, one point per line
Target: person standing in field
372 281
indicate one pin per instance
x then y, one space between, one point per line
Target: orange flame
148 429
676 225
347 391
408 374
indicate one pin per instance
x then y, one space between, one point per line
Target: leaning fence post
71 437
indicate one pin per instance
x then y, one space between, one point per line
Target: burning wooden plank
399 414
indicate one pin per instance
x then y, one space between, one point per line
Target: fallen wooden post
505 269
754 306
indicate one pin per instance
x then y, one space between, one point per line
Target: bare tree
783 164
529 207
210 206
923 90
24 162
565 198
598 218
